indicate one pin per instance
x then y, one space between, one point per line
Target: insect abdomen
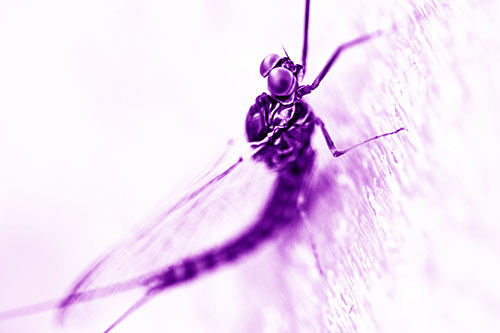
280 211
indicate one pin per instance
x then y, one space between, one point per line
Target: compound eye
268 64
281 82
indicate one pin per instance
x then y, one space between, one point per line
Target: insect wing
226 203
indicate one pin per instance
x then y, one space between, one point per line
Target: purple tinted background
104 109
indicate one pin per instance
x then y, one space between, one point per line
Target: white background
106 106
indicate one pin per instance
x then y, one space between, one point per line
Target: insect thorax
283 130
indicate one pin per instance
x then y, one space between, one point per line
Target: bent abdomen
280 211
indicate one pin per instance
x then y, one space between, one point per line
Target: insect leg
304 218
335 152
337 53
307 89
306 36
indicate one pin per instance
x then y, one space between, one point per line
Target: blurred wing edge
79 292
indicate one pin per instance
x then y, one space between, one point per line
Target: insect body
279 127
280 130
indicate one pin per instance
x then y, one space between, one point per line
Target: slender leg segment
337 53
337 153
307 89
305 220
306 35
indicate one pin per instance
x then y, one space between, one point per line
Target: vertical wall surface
412 240
105 106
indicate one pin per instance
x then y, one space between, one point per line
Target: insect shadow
279 127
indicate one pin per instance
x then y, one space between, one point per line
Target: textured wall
412 243
105 105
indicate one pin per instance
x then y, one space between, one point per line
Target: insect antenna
286 53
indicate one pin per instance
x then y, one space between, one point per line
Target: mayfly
279 127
